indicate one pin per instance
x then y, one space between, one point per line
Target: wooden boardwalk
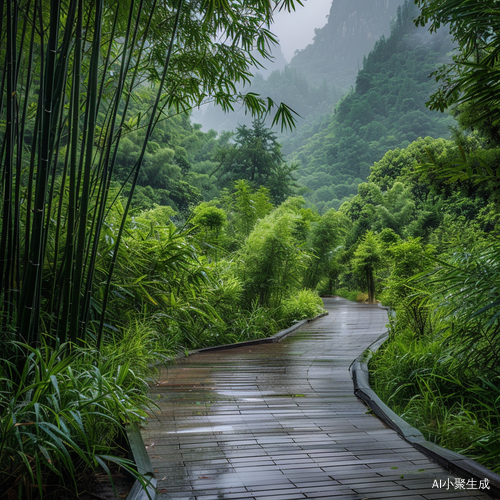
280 422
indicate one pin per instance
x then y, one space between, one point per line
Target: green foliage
368 258
211 220
209 217
271 259
87 89
250 206
244 206
408 258
255 322
305 304
61 417
256 157
468 296
324 237
420 380
472 77
350 295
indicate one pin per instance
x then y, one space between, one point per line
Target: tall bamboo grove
69 69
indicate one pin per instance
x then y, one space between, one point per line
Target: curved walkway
281 422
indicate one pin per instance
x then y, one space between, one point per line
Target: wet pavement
281 422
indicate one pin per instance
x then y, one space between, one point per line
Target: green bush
422 379
258 322
347 294
304 304
271 261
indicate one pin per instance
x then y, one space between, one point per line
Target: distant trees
386 110
256 157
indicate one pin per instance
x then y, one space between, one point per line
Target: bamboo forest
160 194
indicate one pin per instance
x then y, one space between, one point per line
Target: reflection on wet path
281 422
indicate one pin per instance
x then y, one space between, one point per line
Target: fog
295 30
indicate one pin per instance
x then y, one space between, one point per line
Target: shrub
272 260
422 378
258 322
349 295
304 304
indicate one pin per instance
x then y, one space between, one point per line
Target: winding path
280 422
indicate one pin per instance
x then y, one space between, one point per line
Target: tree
271 259
256 157
473 78
367 259
211 220
325 235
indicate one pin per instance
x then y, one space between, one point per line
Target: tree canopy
256 157
472 78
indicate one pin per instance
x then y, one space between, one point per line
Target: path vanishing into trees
281 422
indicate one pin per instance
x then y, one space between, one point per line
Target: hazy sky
296 30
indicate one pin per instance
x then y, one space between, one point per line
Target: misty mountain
321 73
278 62
338 49
386 110
212 117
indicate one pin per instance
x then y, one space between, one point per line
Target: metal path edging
454 462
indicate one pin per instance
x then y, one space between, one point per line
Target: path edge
144 466
277 337
454 462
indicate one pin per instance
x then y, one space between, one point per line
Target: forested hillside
385 110
319 75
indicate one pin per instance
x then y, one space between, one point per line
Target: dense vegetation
440 366
128 235
96 281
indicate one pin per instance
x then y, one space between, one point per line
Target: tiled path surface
280 422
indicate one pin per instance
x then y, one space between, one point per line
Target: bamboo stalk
137 169
29 312
107 168
7 235
74 133
21 142
88 147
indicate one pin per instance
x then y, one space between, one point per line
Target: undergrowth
421 379
62 416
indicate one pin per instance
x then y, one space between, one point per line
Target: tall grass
420 379
63 418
